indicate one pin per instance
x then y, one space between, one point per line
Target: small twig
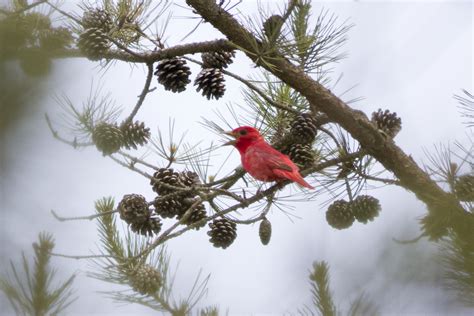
332 162
28 7
135 160
259 217
64 13
145 91
238 173
72 143
348 189
330 134
157 43
409 241
228 193
79 218
126 49
81 257
369 177
131 167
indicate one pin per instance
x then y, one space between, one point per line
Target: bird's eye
243 132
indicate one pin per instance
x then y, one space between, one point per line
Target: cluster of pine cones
93 40
171 202
173 74
298 140
341 214
109 138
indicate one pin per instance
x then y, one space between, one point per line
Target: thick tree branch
323 100
146 57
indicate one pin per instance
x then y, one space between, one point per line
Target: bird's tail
299 179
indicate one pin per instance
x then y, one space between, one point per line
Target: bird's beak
231 142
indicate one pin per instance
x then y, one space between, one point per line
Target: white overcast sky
409 57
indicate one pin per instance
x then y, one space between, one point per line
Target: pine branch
322 296
355 122
362 306
169 234
148 275
34 294
456 253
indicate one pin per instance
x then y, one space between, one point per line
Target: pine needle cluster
29 288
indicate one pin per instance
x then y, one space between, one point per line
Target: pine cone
211 82
464 187
134 209
339 215
196 215
265 231
302 155
304 128
169 207
388 122
167 176
223 232
151 226
173 74
220 59
134 134
97 18
272 26
189 178
365 208
146 280
93 42
107 138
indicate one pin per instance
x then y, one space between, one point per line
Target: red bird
261 160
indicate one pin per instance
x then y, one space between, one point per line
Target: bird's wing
271 157
265 163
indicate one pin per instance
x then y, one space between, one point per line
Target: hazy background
409 57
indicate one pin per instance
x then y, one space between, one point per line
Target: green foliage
322 296
456 252
31 292
270 119
31 37
466 106
97 109
209 311
315 46
362 306
122 257
323 301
